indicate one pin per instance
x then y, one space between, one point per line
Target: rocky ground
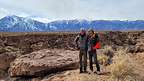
73 75
53 57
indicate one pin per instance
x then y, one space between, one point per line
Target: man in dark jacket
92 40
81 42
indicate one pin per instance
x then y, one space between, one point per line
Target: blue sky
48 10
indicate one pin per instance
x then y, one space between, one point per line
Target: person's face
82 32
90 33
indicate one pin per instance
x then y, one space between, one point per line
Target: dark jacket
82 41
92 41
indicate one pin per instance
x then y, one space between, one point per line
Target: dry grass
34 33
103 59
122 68
8 49
108 51
106 56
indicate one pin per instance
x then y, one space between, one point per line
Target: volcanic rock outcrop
43 62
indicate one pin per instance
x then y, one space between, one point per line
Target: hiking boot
81 72
97 72
90 72
91 69
85 71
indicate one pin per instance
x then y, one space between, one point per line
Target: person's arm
86 42
76 41
97 38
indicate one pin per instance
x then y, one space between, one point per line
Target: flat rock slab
44 62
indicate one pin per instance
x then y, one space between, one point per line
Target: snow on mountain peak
29 24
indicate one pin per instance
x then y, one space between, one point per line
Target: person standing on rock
93 39
81 42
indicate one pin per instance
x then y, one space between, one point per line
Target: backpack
97 44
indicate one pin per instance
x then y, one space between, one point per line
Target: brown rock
44 62
37 46
140 47
6 59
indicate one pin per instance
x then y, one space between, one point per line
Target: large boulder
44 62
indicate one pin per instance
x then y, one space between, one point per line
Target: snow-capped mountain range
20 24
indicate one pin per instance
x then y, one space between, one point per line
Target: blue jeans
93 56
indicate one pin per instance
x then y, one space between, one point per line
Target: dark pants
93 56
83 59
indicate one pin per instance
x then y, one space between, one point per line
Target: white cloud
44 20
3 12
23 15
6 12
73 9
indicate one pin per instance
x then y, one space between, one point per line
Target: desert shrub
103 59
108 51
106 57
122 68
2 50
11 49
8 49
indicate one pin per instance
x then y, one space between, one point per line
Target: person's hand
89 49
78 48
93 48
